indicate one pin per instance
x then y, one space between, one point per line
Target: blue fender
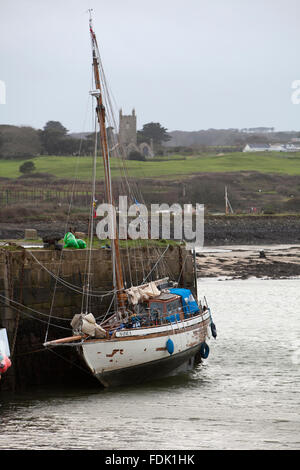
170 346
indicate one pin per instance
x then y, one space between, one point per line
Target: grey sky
190 65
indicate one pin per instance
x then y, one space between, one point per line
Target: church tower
127 129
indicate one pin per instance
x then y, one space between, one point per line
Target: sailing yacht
156 328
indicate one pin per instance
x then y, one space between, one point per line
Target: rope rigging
133 258
129 188
31 316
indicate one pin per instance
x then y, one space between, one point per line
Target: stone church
128 136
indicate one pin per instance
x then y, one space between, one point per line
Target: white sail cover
142 293
87 324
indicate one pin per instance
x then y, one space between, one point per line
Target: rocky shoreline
232 244
218 230
243 262
251 229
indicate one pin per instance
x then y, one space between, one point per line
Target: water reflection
246 395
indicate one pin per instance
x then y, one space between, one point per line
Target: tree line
54 139
27 142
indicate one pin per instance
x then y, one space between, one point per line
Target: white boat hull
141 354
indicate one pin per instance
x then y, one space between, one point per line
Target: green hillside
163 168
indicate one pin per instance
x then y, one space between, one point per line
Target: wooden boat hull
172 365
142 355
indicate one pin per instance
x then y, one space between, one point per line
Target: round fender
213 329
204 350
170 346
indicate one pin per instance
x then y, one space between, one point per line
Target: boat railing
148 319
160 318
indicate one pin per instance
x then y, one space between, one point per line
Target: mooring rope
31 316
161 256
72 286
29 308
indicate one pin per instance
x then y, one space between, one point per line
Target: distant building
276 148
128 136
127 128
290 147
256 148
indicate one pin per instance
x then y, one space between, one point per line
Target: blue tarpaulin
189 303
173 318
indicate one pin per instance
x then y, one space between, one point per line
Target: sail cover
188 301
141 293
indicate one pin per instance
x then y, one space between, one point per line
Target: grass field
175 167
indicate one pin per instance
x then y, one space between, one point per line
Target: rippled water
245 396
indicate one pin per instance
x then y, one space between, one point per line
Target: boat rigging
156 327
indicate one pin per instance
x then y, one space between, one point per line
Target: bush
135 155
27 167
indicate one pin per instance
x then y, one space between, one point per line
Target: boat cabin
166 307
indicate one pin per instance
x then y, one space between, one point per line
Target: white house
284 147
272 148
292 147
256 148
276 148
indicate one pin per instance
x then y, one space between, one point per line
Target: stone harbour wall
29 280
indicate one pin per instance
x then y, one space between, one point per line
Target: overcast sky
188 64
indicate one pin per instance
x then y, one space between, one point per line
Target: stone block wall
29 279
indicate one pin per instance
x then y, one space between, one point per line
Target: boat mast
100 111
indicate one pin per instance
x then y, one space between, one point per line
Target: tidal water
245 396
